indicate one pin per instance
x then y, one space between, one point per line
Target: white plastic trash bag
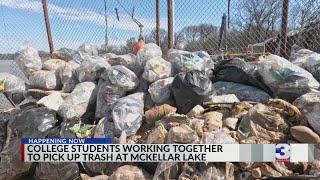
147 52
44 80
11 83
121 76
29 60
185 61
91 71
308 60
243 92
66 70
160 90
52 101
128 60
156 68
107 95
53 64
127 113
76 104
89 48
285 79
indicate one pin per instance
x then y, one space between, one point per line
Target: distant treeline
11 56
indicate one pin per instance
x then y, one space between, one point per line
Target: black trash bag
4 118
28 123
190 89
57 171
238 71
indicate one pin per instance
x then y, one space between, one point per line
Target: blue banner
66 141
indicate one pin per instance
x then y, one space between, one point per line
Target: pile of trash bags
155 98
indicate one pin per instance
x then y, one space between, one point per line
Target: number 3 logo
283 153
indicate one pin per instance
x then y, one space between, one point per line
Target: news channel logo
283 153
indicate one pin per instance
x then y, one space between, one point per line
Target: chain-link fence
198 25
220 26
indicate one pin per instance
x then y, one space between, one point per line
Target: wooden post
284 24
46 19
170 23
158 22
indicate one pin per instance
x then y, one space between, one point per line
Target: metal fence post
46 19
158 22
170 23
284 24
106 22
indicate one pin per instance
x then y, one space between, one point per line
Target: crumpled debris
264 123
130 172
83 130
57 171
212 171
158 112
220 136
172 120
182 134
157 135
269 171
213 120
286 109
99 177
167 170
